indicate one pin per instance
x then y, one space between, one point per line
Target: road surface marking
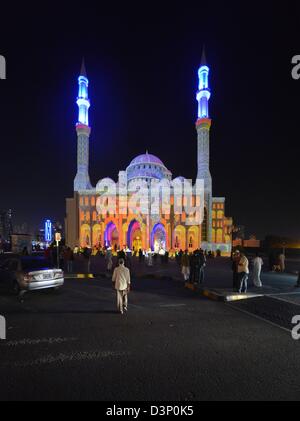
61 358
284 293
284 300
49 341
259 318
111 300
89 295
172 305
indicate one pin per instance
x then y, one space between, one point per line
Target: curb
212 295
217 296
80 276
106 275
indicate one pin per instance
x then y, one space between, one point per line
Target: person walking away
68 259
243 271
179 257
202 264
257 266
193 268
166 257
128 257
150 260
122 254
196 267
109 260
140 255
87 256
185 266
235 263
121 282
281 259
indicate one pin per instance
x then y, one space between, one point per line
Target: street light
57 239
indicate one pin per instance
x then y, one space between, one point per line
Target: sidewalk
217 284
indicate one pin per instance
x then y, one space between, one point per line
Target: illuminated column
82 179
203 125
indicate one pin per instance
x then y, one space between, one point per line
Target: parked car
28 273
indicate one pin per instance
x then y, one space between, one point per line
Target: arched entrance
180 238
158 238
193 238
134 236
85 236
97 235
111 235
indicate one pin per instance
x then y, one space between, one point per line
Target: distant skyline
143 81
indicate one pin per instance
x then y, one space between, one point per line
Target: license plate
47 276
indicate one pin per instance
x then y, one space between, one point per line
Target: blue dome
146 158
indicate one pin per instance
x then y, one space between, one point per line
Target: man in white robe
121 282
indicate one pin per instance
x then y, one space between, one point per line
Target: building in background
45 235
252 242
6 225
85 227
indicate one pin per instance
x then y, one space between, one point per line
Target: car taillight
58 275
28 278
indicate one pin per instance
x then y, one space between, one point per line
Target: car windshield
38 263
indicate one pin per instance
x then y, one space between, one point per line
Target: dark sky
142 65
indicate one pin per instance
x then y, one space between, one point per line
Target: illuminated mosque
86 227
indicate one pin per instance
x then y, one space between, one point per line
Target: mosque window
213 236
219 238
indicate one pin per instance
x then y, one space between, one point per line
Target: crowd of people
65 256
241 271
192 265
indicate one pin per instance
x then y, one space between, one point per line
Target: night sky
142 66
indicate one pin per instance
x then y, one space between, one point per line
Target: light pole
57 239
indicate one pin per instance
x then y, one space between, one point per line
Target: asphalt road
172 345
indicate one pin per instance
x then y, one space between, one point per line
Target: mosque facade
86 226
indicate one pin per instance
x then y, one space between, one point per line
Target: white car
28 273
